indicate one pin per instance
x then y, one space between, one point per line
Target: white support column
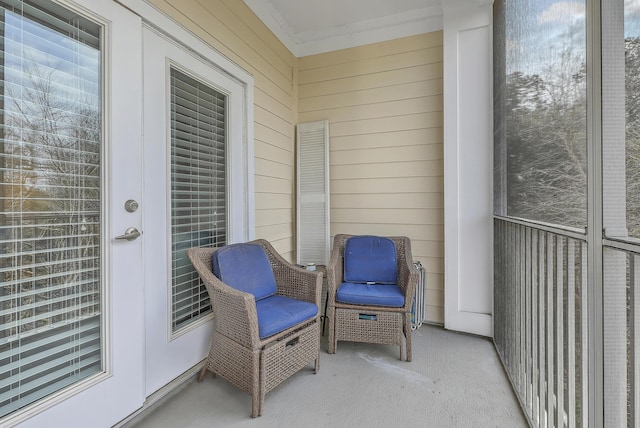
468 152
614 214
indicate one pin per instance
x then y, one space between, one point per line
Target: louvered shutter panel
313 192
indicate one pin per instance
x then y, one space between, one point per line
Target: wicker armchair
238 353
371 321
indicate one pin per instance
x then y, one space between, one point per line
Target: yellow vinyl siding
368 66
381 50
384 106
381 109
370 96
234 30
386 124
416 168
382 186
388 154
405 200
371 81
432 136
391 47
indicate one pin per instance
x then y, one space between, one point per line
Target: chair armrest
407 272
335 267
298 283
291 280
236 315
234 310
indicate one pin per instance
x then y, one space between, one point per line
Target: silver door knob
130 234
131 206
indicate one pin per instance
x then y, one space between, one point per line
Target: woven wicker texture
236 353
371 324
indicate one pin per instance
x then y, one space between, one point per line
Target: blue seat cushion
278 313
245 267
370 294
370 259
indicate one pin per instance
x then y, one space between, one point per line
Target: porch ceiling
309 27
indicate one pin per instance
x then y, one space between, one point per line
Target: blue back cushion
245 267
370 259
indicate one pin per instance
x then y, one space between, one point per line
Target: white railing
540 320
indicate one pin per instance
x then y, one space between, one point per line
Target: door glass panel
198 188
50 201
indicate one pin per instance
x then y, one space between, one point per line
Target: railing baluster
571 334
635 347
542 334
518 310
521 313
513 310
535 328
559 331
584 340
550 327
527 317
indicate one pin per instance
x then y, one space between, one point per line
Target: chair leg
316 368
255 411
257 398
203 371
331 340
259 376
407 334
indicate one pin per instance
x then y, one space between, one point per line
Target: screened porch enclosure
566 208
566 219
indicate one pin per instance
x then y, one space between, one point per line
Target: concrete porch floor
454 380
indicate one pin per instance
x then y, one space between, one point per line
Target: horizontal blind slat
44 337
86 369
73 311
82 295
35 358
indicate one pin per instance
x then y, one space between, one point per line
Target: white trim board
360 33
468 170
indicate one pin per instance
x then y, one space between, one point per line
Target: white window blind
50 201
198 188
313 192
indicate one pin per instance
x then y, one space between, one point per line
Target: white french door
71 153
195 175
93 220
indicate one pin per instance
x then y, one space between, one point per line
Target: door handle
129 235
